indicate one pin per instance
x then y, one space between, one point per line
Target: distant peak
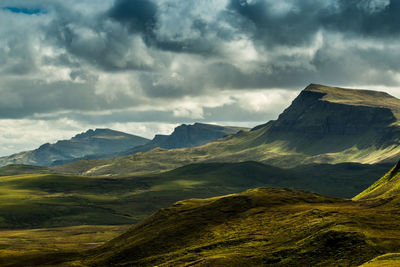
97 131
102 130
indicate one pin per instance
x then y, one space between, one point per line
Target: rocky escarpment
316 124
186 135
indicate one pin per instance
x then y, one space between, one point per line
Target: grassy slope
16 169
386 260
31 244
269 227
49 200
386 187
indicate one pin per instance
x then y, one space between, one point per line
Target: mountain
260 227
98 141
328 120
322 125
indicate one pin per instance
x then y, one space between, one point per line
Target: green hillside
386 187
50 200
260 227
322 125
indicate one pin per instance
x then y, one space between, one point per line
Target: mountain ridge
100 140
313 129
183 136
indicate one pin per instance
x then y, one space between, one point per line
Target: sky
146 66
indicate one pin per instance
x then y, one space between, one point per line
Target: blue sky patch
27 11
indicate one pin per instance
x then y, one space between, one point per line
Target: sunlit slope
386 187
387 260
322 125
50 200
260 227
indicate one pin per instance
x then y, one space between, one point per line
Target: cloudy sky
145 66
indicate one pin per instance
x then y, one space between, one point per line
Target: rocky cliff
325 119
186 135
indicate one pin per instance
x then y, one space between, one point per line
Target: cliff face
196 135
185 136
317 124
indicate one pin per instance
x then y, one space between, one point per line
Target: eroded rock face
186 135
310 119
311 115
195 135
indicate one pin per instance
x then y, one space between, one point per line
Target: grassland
17 246
265 226
50 200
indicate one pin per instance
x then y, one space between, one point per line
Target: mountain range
322 125
107 143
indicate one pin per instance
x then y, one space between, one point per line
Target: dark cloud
23 98
373 18
137 15
295 22
273 24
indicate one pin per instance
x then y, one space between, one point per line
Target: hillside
51 200
386 187
260 227
322 125
98 141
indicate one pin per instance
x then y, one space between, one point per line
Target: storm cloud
170 61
